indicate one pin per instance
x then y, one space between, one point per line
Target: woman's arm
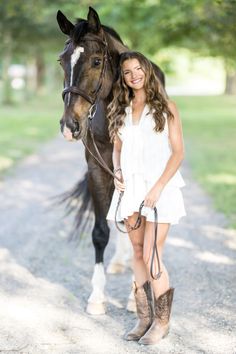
177 146
116 153
116 163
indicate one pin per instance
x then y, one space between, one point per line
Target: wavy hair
156 97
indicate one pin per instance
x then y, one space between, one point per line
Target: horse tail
79 202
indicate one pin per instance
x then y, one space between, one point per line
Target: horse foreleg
122 257
96 301
131 304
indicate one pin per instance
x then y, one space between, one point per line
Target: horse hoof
115 268
131 306
96 309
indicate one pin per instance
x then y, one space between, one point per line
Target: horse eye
97 62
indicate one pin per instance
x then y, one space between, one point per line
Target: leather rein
93 100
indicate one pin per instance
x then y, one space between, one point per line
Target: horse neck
115 45
100 124
115 48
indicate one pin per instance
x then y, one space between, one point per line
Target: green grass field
24 126
209 125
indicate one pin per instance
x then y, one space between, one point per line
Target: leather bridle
93 99
94 96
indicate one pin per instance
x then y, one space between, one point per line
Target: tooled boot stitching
160 326
163 306
144 303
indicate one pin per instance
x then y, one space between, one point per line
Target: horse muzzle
67 133
71 131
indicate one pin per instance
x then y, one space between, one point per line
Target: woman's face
133 74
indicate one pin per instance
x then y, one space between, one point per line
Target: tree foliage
207 26
29 28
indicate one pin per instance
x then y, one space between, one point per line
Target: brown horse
90 60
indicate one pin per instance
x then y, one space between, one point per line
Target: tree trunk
40 67
31 78
6 62
230 85
230 70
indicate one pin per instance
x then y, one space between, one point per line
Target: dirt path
45 281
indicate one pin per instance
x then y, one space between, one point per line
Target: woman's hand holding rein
120 186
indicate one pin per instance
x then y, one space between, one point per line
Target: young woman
148 150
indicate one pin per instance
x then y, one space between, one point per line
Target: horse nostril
76 127
76 134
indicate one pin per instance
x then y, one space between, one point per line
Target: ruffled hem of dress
170 207
160 220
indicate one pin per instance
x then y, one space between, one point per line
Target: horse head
88 60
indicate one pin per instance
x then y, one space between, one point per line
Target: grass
209 125
209 128
24 126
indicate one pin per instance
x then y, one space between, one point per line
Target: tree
205 26
28 30
18 19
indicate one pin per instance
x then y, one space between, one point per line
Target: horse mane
81 28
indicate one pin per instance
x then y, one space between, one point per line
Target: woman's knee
132 220
138 251
137 237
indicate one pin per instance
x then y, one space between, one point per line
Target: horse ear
65 25
94 23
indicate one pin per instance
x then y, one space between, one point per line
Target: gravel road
45 280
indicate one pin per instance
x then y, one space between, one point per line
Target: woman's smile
134 75
136 81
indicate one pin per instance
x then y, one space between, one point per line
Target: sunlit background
192 41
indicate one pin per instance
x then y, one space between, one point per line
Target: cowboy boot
160 325
144 304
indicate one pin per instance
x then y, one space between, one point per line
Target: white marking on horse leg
97 297
122 257
73 60
131 305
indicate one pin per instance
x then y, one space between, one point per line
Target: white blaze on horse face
73 60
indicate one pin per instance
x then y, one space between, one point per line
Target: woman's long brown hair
156 97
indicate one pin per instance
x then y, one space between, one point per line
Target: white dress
144 155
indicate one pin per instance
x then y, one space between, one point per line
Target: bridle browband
93 100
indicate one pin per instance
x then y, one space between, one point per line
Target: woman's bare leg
163 294
142 287
162 284
137 240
